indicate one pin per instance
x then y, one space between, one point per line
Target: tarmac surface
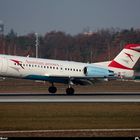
98 97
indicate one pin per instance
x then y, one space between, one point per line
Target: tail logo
130 56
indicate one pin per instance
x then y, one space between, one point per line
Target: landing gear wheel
52 89
70 91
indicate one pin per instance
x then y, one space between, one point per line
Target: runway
131 132
100 97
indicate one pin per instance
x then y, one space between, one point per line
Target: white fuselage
32 68
123 73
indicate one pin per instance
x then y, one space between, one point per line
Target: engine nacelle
93 71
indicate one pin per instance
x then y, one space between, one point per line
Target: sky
69 16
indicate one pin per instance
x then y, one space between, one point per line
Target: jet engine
93 71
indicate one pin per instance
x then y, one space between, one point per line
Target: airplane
69 72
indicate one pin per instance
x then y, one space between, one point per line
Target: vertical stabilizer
127 58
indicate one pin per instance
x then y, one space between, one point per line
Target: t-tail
125 61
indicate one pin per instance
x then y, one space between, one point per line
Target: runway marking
69 100
87 98
70 130
76 94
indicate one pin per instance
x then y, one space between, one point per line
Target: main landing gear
70 91
53 89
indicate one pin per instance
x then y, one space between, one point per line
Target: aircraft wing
84 81
78 80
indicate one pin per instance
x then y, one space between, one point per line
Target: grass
34 116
